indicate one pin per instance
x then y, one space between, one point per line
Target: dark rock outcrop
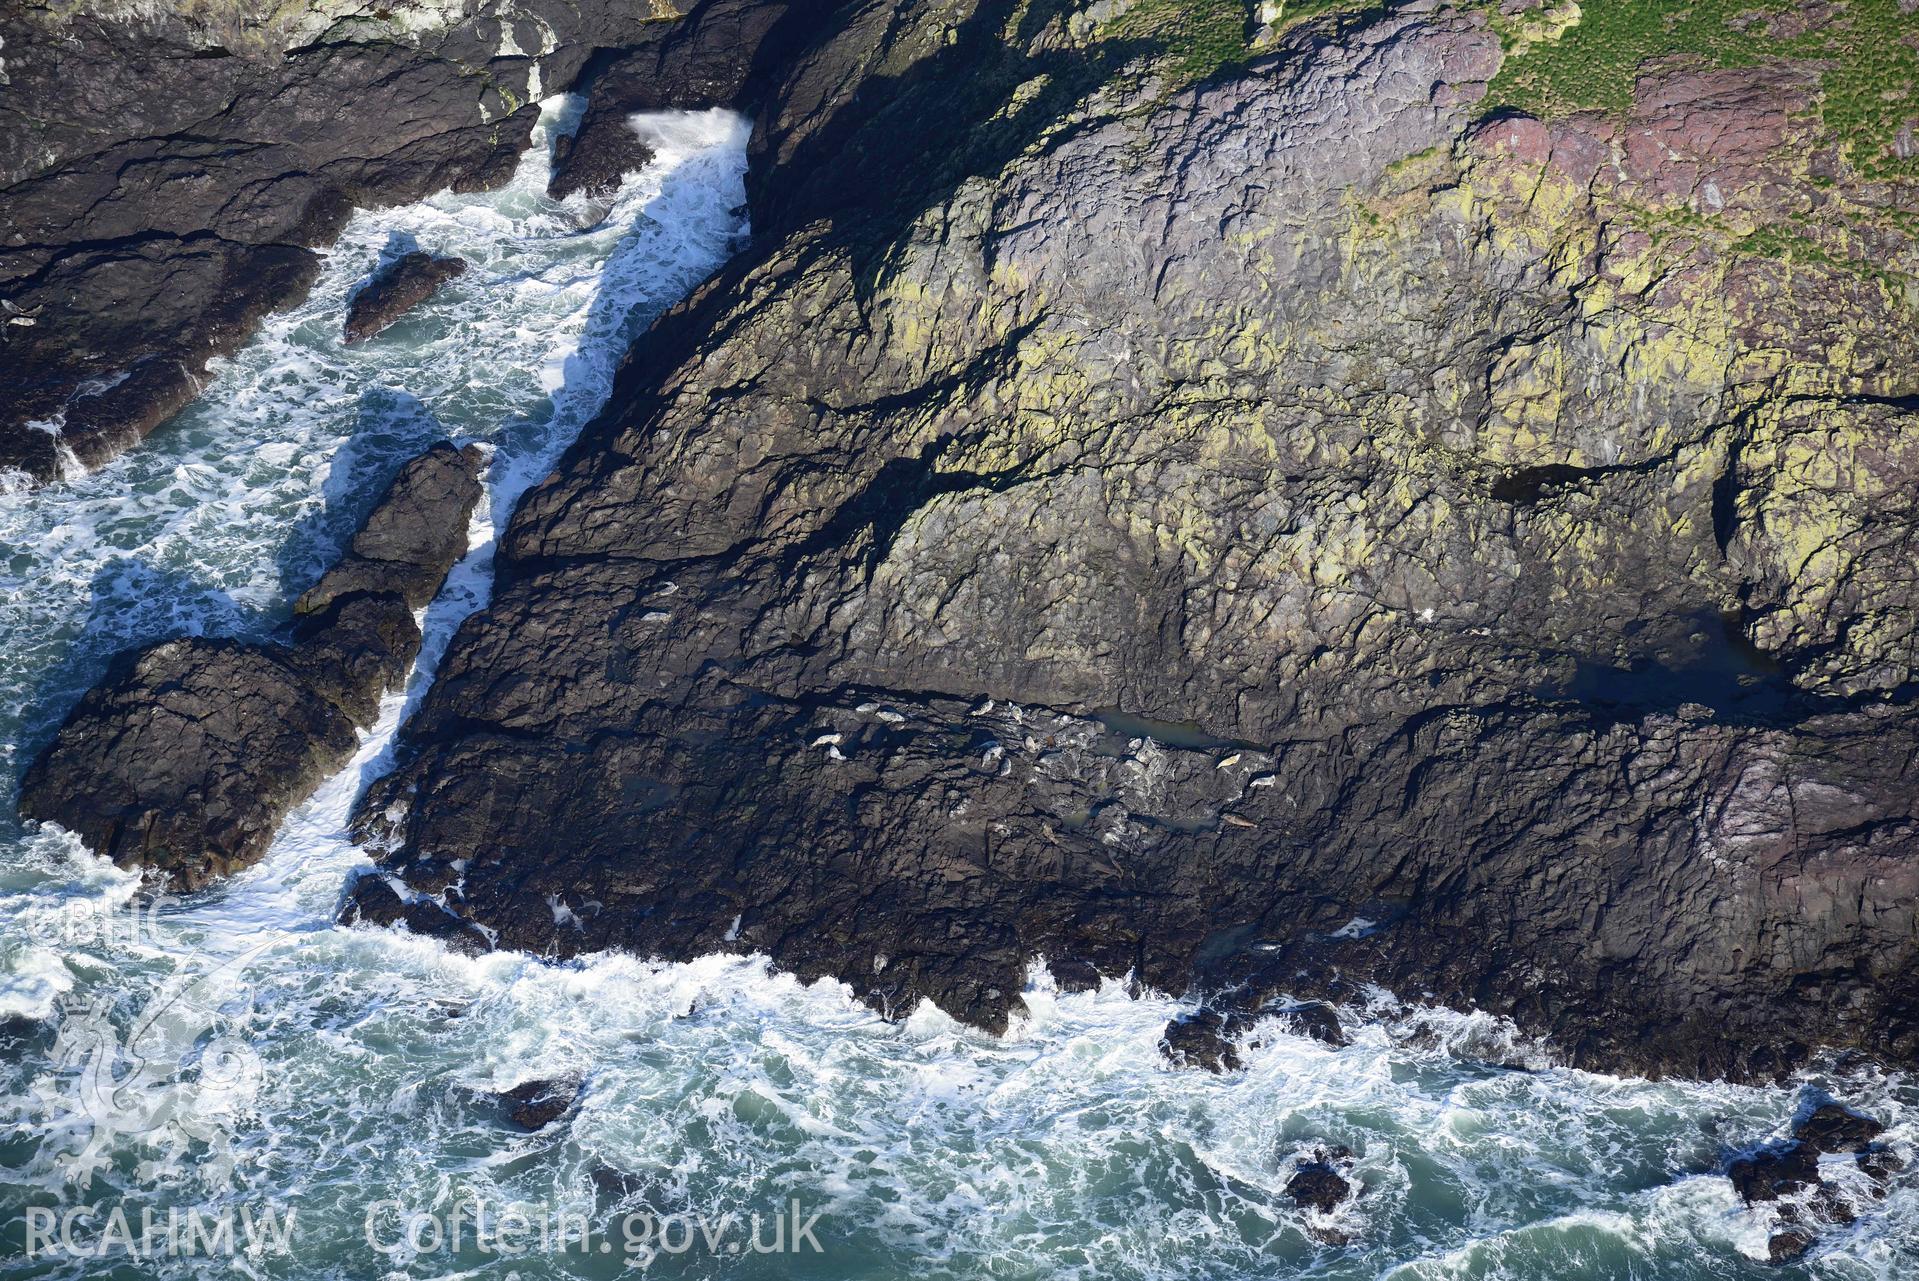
372 900
705 60
396 289
596 161
166 176
1770 1175
1315 1019
534 1105
1834 1128
1319 1186
186 757
411 538
1784 1247
1209 1037
1786 1180
189 754
1463 560
1200 1039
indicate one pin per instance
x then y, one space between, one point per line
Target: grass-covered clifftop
1568 57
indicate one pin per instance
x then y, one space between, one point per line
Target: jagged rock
697 63
165 176
1319 1187
1316 1019
1074 975
413 536
1210 1037
533 1105
1833 1127
1198 1040
1786 1176
596 161
1784 1247
429 919
186 758
1880 1163
355 650
396 289
1315 1185
1305 477
1774 1173
372 901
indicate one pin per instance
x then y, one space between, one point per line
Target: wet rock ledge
189 754
1312 527
167 174
397 288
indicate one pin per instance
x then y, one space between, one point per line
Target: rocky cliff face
1269 519
167 172
1299 529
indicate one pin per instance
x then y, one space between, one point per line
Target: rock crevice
186 758
1257 351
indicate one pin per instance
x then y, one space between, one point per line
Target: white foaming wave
1070 1148
211 498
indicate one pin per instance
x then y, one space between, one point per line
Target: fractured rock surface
396 289
1288 532
188 755
164 180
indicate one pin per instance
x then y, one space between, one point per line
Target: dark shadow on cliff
904 143
1708 661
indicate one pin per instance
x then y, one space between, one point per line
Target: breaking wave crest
255 1053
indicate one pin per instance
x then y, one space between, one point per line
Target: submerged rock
1772 1174
1833 1127
1316 1185
188 755
1319 1187
534 1105
1787 1180
1207 1038
396 289
1199 1039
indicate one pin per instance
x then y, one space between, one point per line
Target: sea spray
350 1075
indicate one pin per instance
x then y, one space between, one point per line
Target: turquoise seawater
237 1059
